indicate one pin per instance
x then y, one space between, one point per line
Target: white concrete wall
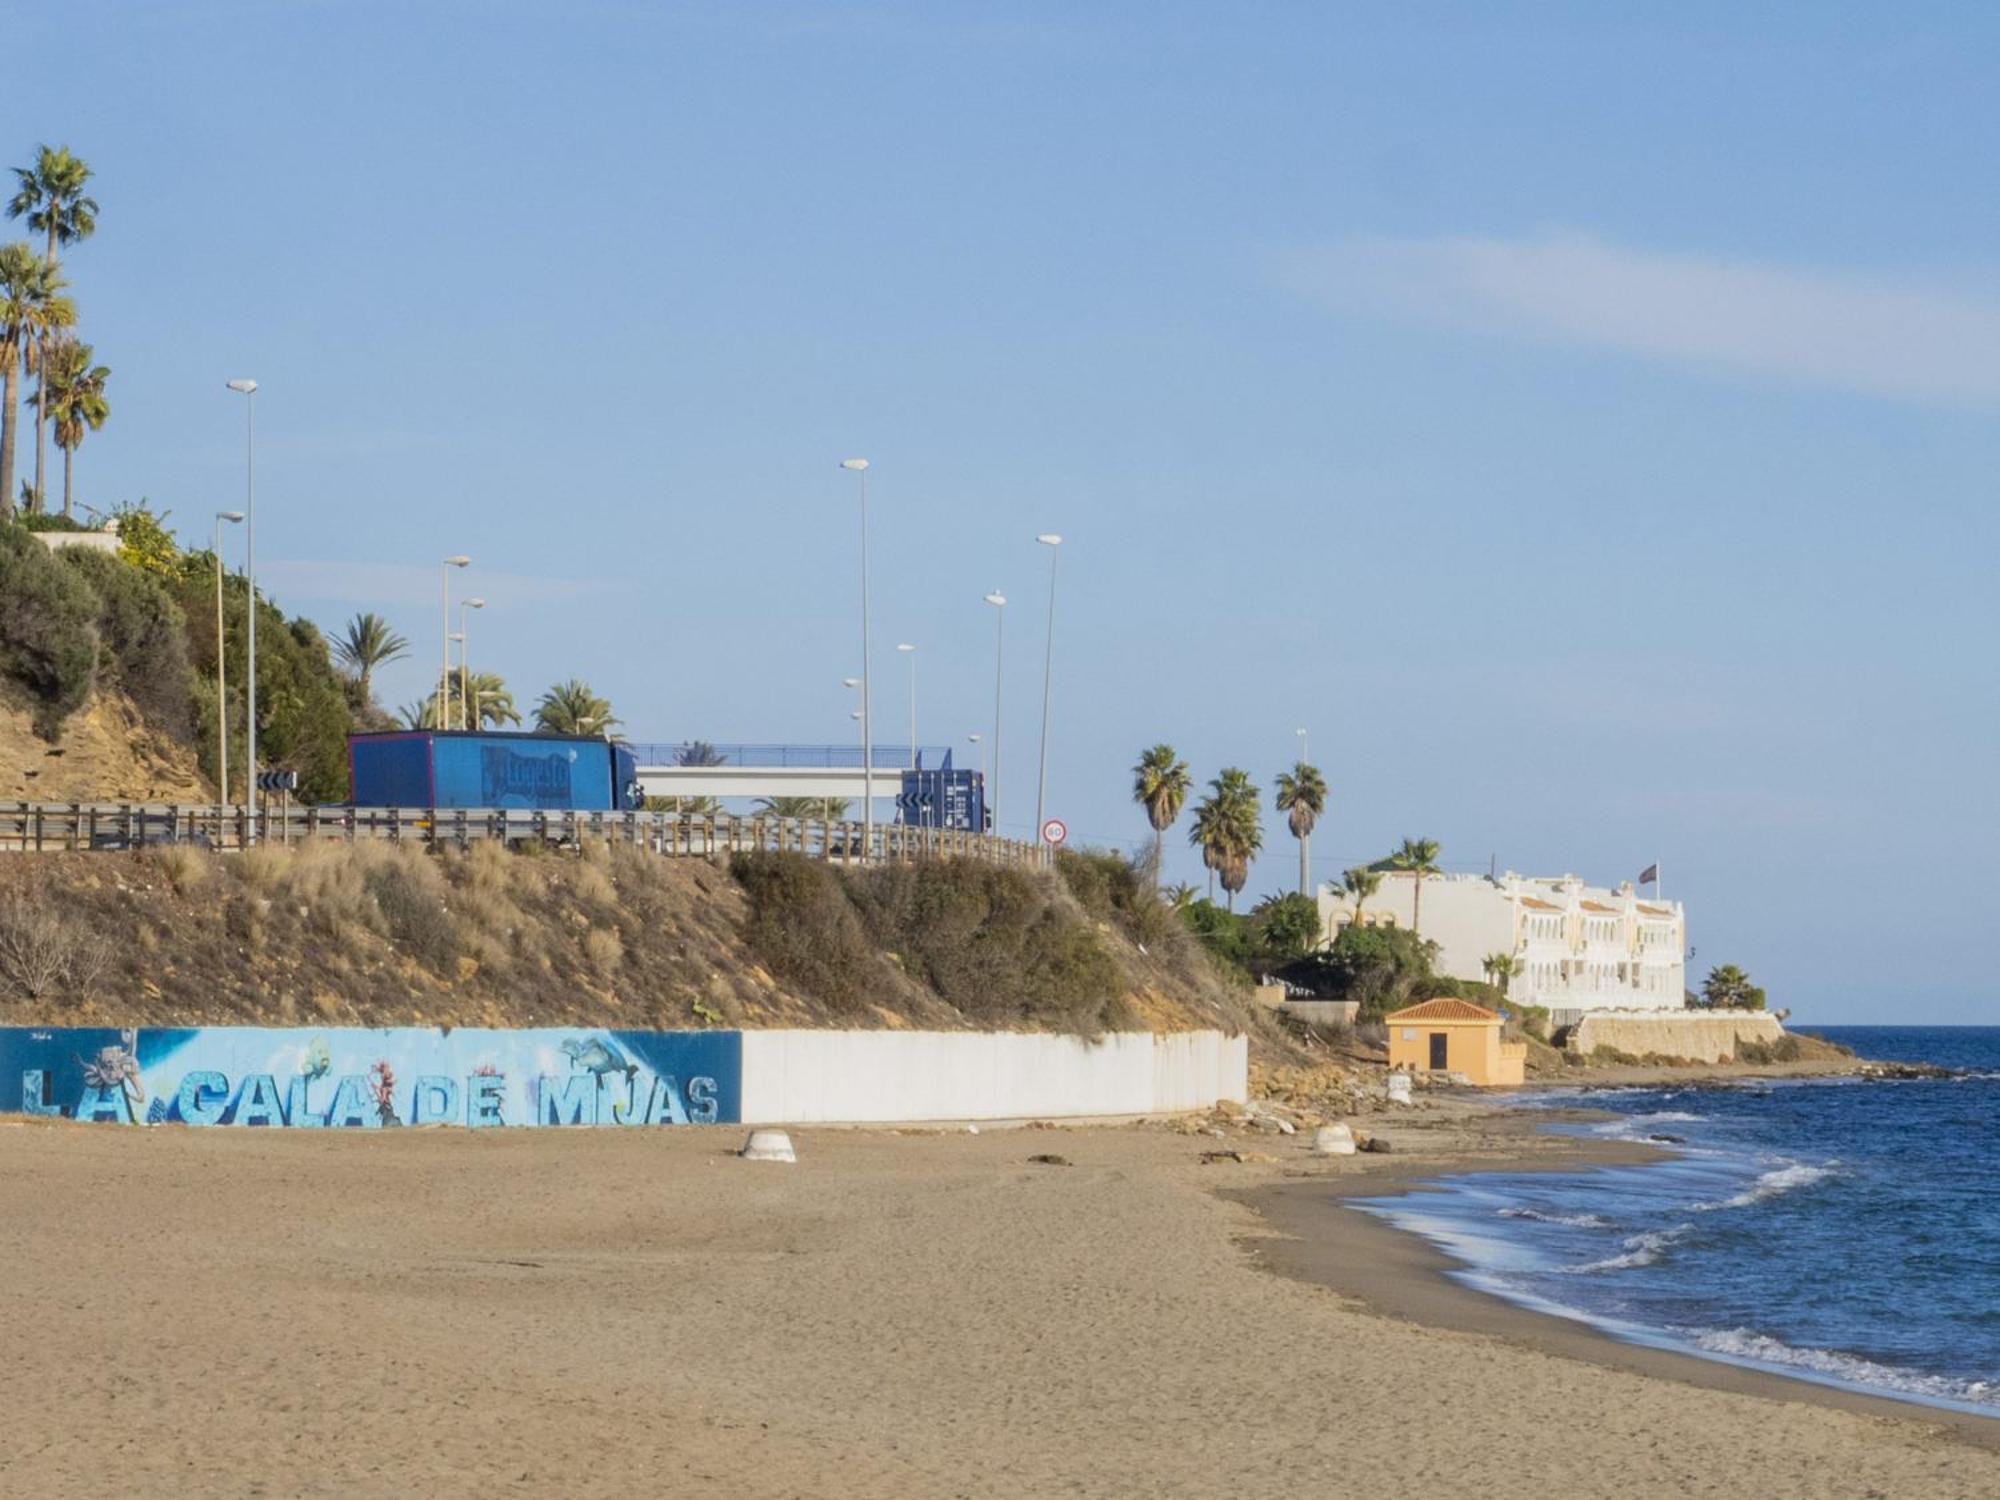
882 1077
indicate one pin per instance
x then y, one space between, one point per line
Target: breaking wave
1779 1180
1574 1221
1850 1369
1639 1250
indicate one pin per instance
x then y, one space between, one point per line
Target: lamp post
859 467
1305 747
1054 543
999 602
247 389
911 652
467 719
442 718
221 679
980 741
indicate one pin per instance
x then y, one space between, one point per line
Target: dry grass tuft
183 867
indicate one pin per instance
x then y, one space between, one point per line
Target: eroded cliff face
107 753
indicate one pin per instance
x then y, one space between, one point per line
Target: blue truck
474 768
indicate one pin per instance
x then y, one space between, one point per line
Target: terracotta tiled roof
1537 904
1444 1009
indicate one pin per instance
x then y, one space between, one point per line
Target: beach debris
1050 1159
972 1130
1333 1140
1375 1143
1208 1157
768 1145
1398 1088
1671 1140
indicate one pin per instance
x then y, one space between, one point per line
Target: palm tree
572 708
367 644
1302 798
74 389
1180 896
832 809
492 700
495 701
1500 967
1360 883
1228 830
1160 784
51 196
1419 857
31 308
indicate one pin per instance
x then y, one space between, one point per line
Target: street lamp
980 741
1054 543
859 467
442 718
1305 747
467 719
911 651
247 389
221 689
999 602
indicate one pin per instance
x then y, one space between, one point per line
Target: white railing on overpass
32 827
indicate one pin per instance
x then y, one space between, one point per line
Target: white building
1579 947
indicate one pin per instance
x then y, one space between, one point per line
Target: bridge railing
48 827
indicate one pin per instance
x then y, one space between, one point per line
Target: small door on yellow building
1440 1049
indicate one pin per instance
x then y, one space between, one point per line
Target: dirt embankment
382 934
107 753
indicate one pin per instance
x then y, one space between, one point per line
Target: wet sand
608 1312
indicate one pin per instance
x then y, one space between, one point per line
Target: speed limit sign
1054 831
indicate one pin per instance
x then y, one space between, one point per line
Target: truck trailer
475 768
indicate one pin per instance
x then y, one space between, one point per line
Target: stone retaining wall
1705 1036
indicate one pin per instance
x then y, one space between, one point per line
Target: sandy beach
925 1314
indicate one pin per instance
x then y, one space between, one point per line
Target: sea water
1839 1230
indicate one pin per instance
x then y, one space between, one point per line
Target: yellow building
1455 1036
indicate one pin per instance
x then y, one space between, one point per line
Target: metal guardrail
52 827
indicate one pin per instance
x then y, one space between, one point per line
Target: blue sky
1582 418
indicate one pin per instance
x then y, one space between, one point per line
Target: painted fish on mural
596 1055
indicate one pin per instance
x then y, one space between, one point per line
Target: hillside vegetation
132 634
383 934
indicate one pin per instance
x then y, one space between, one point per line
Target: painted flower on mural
317 1060
117 1068
382 1086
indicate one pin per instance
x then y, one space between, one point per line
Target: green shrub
1117 890
142 638
48 630
1287 927
1532 1019
302 711
993 943
803 929
1225 935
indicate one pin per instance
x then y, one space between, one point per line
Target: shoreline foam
1333 1239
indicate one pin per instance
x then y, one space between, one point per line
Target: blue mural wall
362 1078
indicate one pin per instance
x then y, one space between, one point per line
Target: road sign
1054 831
277 781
